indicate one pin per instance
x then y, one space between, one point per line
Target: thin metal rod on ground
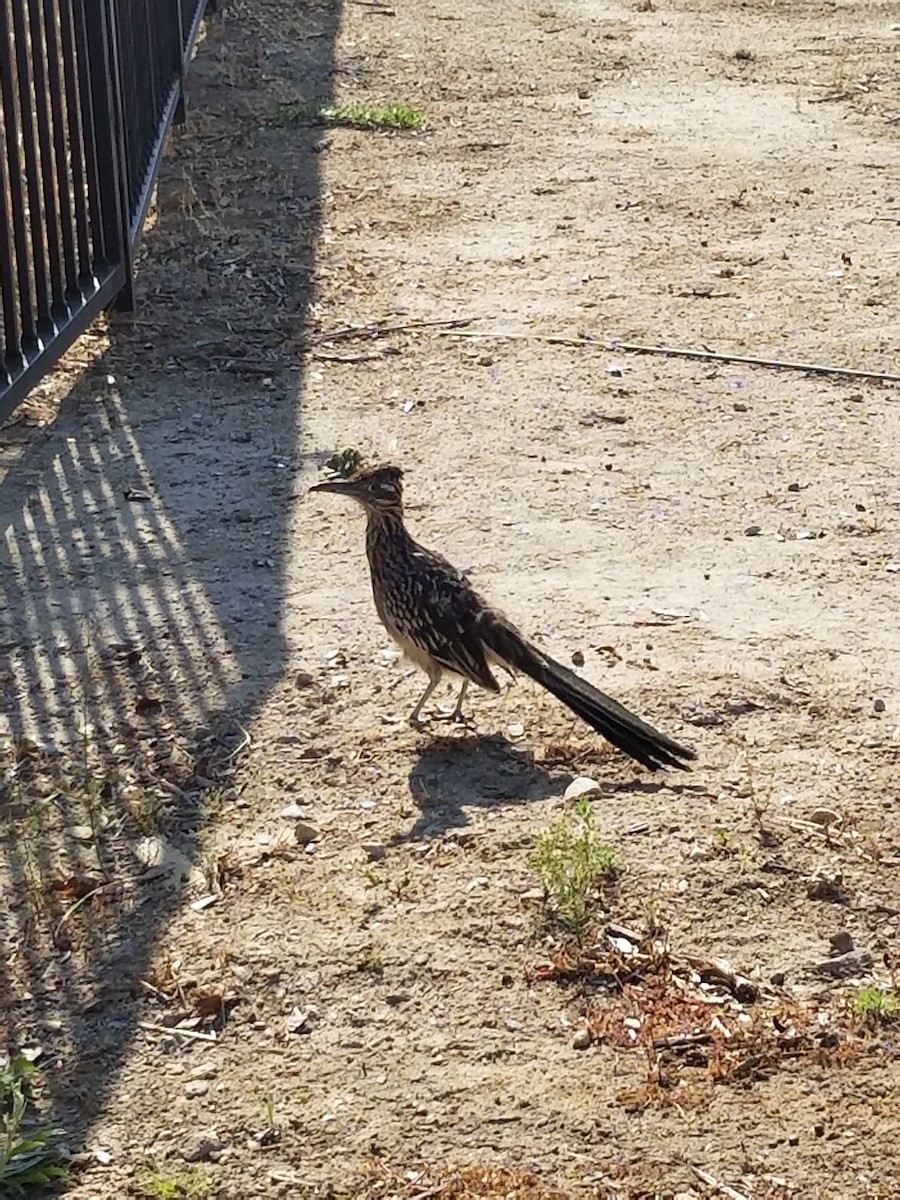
753 361
748 360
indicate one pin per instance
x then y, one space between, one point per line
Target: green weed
876 1004
27 1159
570 860
395 116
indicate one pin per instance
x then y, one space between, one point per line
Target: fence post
99 48
181 107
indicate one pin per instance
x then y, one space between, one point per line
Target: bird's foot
456 716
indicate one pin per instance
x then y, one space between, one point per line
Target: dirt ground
188 645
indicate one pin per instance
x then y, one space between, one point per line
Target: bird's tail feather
632 735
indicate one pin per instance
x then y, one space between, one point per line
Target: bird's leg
434 678
458 714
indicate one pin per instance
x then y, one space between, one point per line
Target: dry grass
700 1023
428 1182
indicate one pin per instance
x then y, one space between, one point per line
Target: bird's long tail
638 739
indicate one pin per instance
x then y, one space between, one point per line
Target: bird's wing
442 619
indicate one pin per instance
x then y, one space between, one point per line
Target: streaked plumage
442 624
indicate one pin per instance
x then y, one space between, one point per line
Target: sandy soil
188 646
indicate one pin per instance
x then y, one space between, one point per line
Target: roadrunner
441 623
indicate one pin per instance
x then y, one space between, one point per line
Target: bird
442 624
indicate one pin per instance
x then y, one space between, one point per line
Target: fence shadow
145 523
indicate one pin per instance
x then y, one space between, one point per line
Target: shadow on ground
145 524
452 774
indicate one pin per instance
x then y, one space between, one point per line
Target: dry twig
686 352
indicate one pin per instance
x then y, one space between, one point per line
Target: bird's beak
342 486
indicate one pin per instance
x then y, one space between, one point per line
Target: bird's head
378 489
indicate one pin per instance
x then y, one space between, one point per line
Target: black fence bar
88 92
72 134
146 42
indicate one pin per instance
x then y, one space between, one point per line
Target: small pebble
270 1136
857 962
375 851
777 980
824 816
80 833
753 531
201 1147
623 945
204 1070
705 718
582 786
879 706
739 406
578 659
299 1020
294 812
793 487
828 887
841 942
196 1087
305 833
582 1039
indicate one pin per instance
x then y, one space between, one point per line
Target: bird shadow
454 774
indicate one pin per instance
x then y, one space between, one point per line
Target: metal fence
88 92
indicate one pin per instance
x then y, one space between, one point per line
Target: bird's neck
390 551
384 528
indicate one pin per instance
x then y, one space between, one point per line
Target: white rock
622 945
582 786
204 1070
295 812
300 1019
80 833
159 857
